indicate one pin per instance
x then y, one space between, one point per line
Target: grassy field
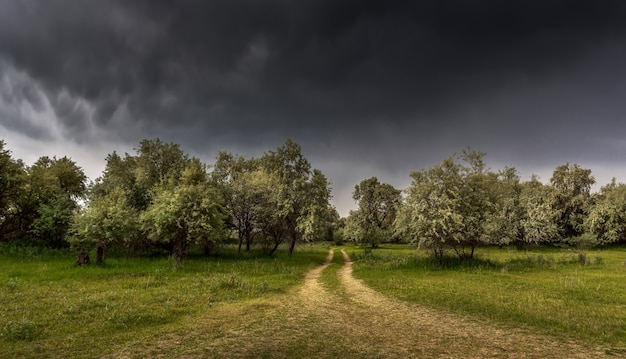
50 307
142 307
560 292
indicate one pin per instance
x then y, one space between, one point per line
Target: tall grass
560 292
51 307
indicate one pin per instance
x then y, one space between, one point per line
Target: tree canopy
160 198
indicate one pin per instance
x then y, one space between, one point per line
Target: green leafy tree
106 221
120 173
504 226
273 226
241 184
539 223
139 177
317 219
447 206
297 196
378 205
572 185
185 214
430 215
477 202
154 164
158 162
54 188
13 180
523 213
53 220
607 216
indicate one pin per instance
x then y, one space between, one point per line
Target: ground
353 322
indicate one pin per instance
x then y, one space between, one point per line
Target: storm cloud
367 88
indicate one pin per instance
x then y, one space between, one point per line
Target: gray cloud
383 86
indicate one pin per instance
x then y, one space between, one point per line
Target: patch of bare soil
361 323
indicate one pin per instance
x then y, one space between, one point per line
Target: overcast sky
366 88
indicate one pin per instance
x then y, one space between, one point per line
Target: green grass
51 307
330 276
559 292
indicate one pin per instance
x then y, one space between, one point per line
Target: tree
378 205
241 185
539 223
298 194
430 215
447 206
159 162
154 163
12 187
477 202
504 226
120 173
607 216
106 221
522 211
573 186
317 218
186 214
54 188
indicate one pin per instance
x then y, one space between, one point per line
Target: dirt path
353 322
447 335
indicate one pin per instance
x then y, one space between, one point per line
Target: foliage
572 185
53 220
12 187
106 221
298 199
523 213
447 206
378 203
243 189
49 199
183 215
607 217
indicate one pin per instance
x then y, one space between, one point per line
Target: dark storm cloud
388 84
247 62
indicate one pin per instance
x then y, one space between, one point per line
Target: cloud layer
368 88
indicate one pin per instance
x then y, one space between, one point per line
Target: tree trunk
179 250
83 258
239 246
100 252
276 244
292 245
248 242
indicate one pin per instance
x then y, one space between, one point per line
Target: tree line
160 198
459 204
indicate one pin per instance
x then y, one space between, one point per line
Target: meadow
562 292
51 307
